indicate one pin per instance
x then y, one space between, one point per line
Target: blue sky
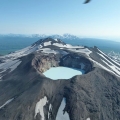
99 18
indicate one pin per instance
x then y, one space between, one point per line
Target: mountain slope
26 94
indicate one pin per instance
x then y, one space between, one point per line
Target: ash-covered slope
26 94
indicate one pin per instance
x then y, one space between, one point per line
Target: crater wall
44 62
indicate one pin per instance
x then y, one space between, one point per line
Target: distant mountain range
67 36
19 41
63 36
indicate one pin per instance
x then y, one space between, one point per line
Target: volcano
26 93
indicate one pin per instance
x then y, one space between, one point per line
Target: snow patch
7 102
59 45
70 46
39 107
82 65
112 66
85 51
109 57
1 78
64 57
48 50
63 53
50 109
88 119
115 56
12 64
56 40
103 67
2 71
40 46
13 67
19 53
60 114
47 43
66 45
110 61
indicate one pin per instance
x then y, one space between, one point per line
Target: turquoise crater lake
62 72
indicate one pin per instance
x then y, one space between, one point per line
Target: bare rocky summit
26 94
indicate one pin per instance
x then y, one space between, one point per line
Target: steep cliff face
26 94
44 62
76 61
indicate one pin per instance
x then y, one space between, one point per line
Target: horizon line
116 38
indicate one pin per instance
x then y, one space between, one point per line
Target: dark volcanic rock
95 96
